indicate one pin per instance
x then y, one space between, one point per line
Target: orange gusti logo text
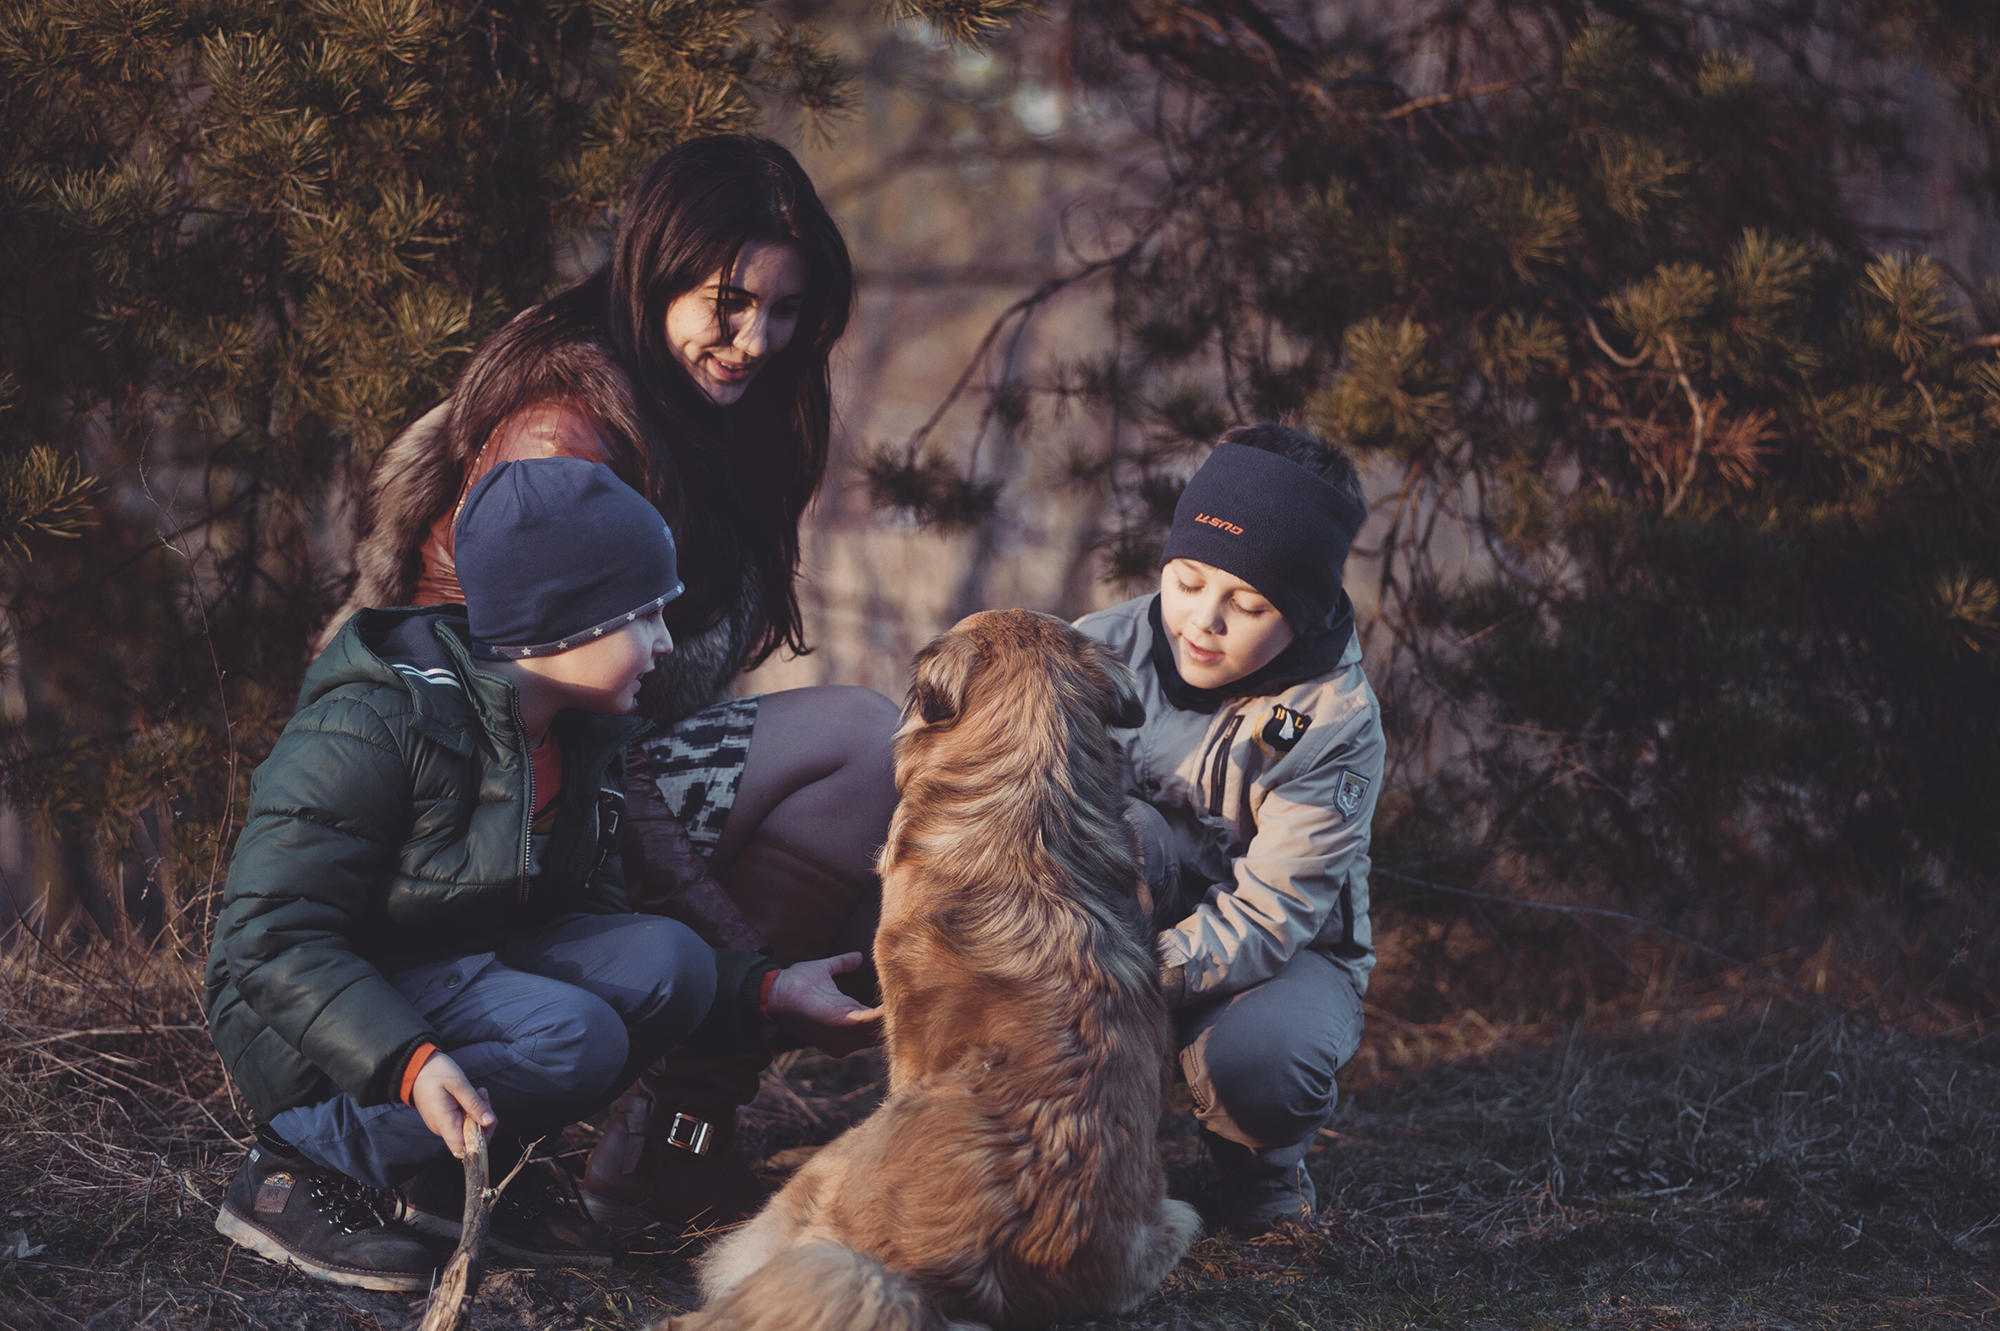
1229 527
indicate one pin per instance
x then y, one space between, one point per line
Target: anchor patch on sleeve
1281 732
1347 796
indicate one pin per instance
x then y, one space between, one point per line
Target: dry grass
1738 1159
1720 1172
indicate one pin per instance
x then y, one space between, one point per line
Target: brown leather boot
668 1156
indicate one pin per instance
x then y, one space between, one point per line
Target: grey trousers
1260 1062
553 1026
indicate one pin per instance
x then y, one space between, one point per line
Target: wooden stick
451 1304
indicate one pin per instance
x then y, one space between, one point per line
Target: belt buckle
691 1137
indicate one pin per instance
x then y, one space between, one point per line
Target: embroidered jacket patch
1282 731
1348 794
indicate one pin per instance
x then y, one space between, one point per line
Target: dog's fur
1012 1178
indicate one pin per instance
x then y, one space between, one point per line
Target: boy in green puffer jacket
425 917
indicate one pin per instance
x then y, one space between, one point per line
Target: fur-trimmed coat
423 473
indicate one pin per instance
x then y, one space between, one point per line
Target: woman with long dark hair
694 365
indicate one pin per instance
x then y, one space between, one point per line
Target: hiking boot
290 1210
1251 1203
668 1158
536 1221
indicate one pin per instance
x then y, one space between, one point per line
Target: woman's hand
446 1099
805 1001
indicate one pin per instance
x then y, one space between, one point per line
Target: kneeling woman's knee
864 706
863 721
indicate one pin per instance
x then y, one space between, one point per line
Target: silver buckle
693 1138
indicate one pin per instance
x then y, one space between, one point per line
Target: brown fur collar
419 474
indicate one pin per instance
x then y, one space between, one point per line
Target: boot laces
536 1191
352 1205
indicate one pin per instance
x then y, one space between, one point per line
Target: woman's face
723 332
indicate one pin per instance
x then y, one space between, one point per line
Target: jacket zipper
528 815
1218 771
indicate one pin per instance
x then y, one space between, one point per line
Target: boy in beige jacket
1254 780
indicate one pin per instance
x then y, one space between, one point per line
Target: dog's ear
1123 707
941 674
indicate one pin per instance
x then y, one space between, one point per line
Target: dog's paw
1181 1222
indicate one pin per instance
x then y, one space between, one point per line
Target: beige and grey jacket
1269 801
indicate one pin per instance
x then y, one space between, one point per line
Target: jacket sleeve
735 1022
1306 863
329 810
666 875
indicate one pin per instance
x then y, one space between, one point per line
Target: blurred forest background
1668 334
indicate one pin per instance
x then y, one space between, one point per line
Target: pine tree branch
1629 362
1410 108
1700 429
1950 461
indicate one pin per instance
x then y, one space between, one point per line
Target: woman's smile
729 372
725 330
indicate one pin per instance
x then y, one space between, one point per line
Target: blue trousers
553 1026
1260 1062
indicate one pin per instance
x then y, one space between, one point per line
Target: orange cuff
413 1067
764 989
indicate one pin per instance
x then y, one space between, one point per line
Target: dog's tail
819 1287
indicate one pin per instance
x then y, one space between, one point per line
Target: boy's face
1221 628
603 674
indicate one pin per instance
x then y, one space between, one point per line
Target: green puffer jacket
390 825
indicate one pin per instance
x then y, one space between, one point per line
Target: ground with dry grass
1756 1163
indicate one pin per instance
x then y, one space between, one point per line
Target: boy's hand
805 1001
446 1099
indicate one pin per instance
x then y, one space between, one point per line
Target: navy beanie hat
553 552
1273 524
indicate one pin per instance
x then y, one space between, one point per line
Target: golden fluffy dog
1012 1177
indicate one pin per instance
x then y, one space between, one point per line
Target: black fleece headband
553 552
1273 524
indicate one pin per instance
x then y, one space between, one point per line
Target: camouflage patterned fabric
698 764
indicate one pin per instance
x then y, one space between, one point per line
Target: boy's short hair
1323 458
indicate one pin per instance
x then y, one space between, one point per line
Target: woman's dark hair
733 482
1328 461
